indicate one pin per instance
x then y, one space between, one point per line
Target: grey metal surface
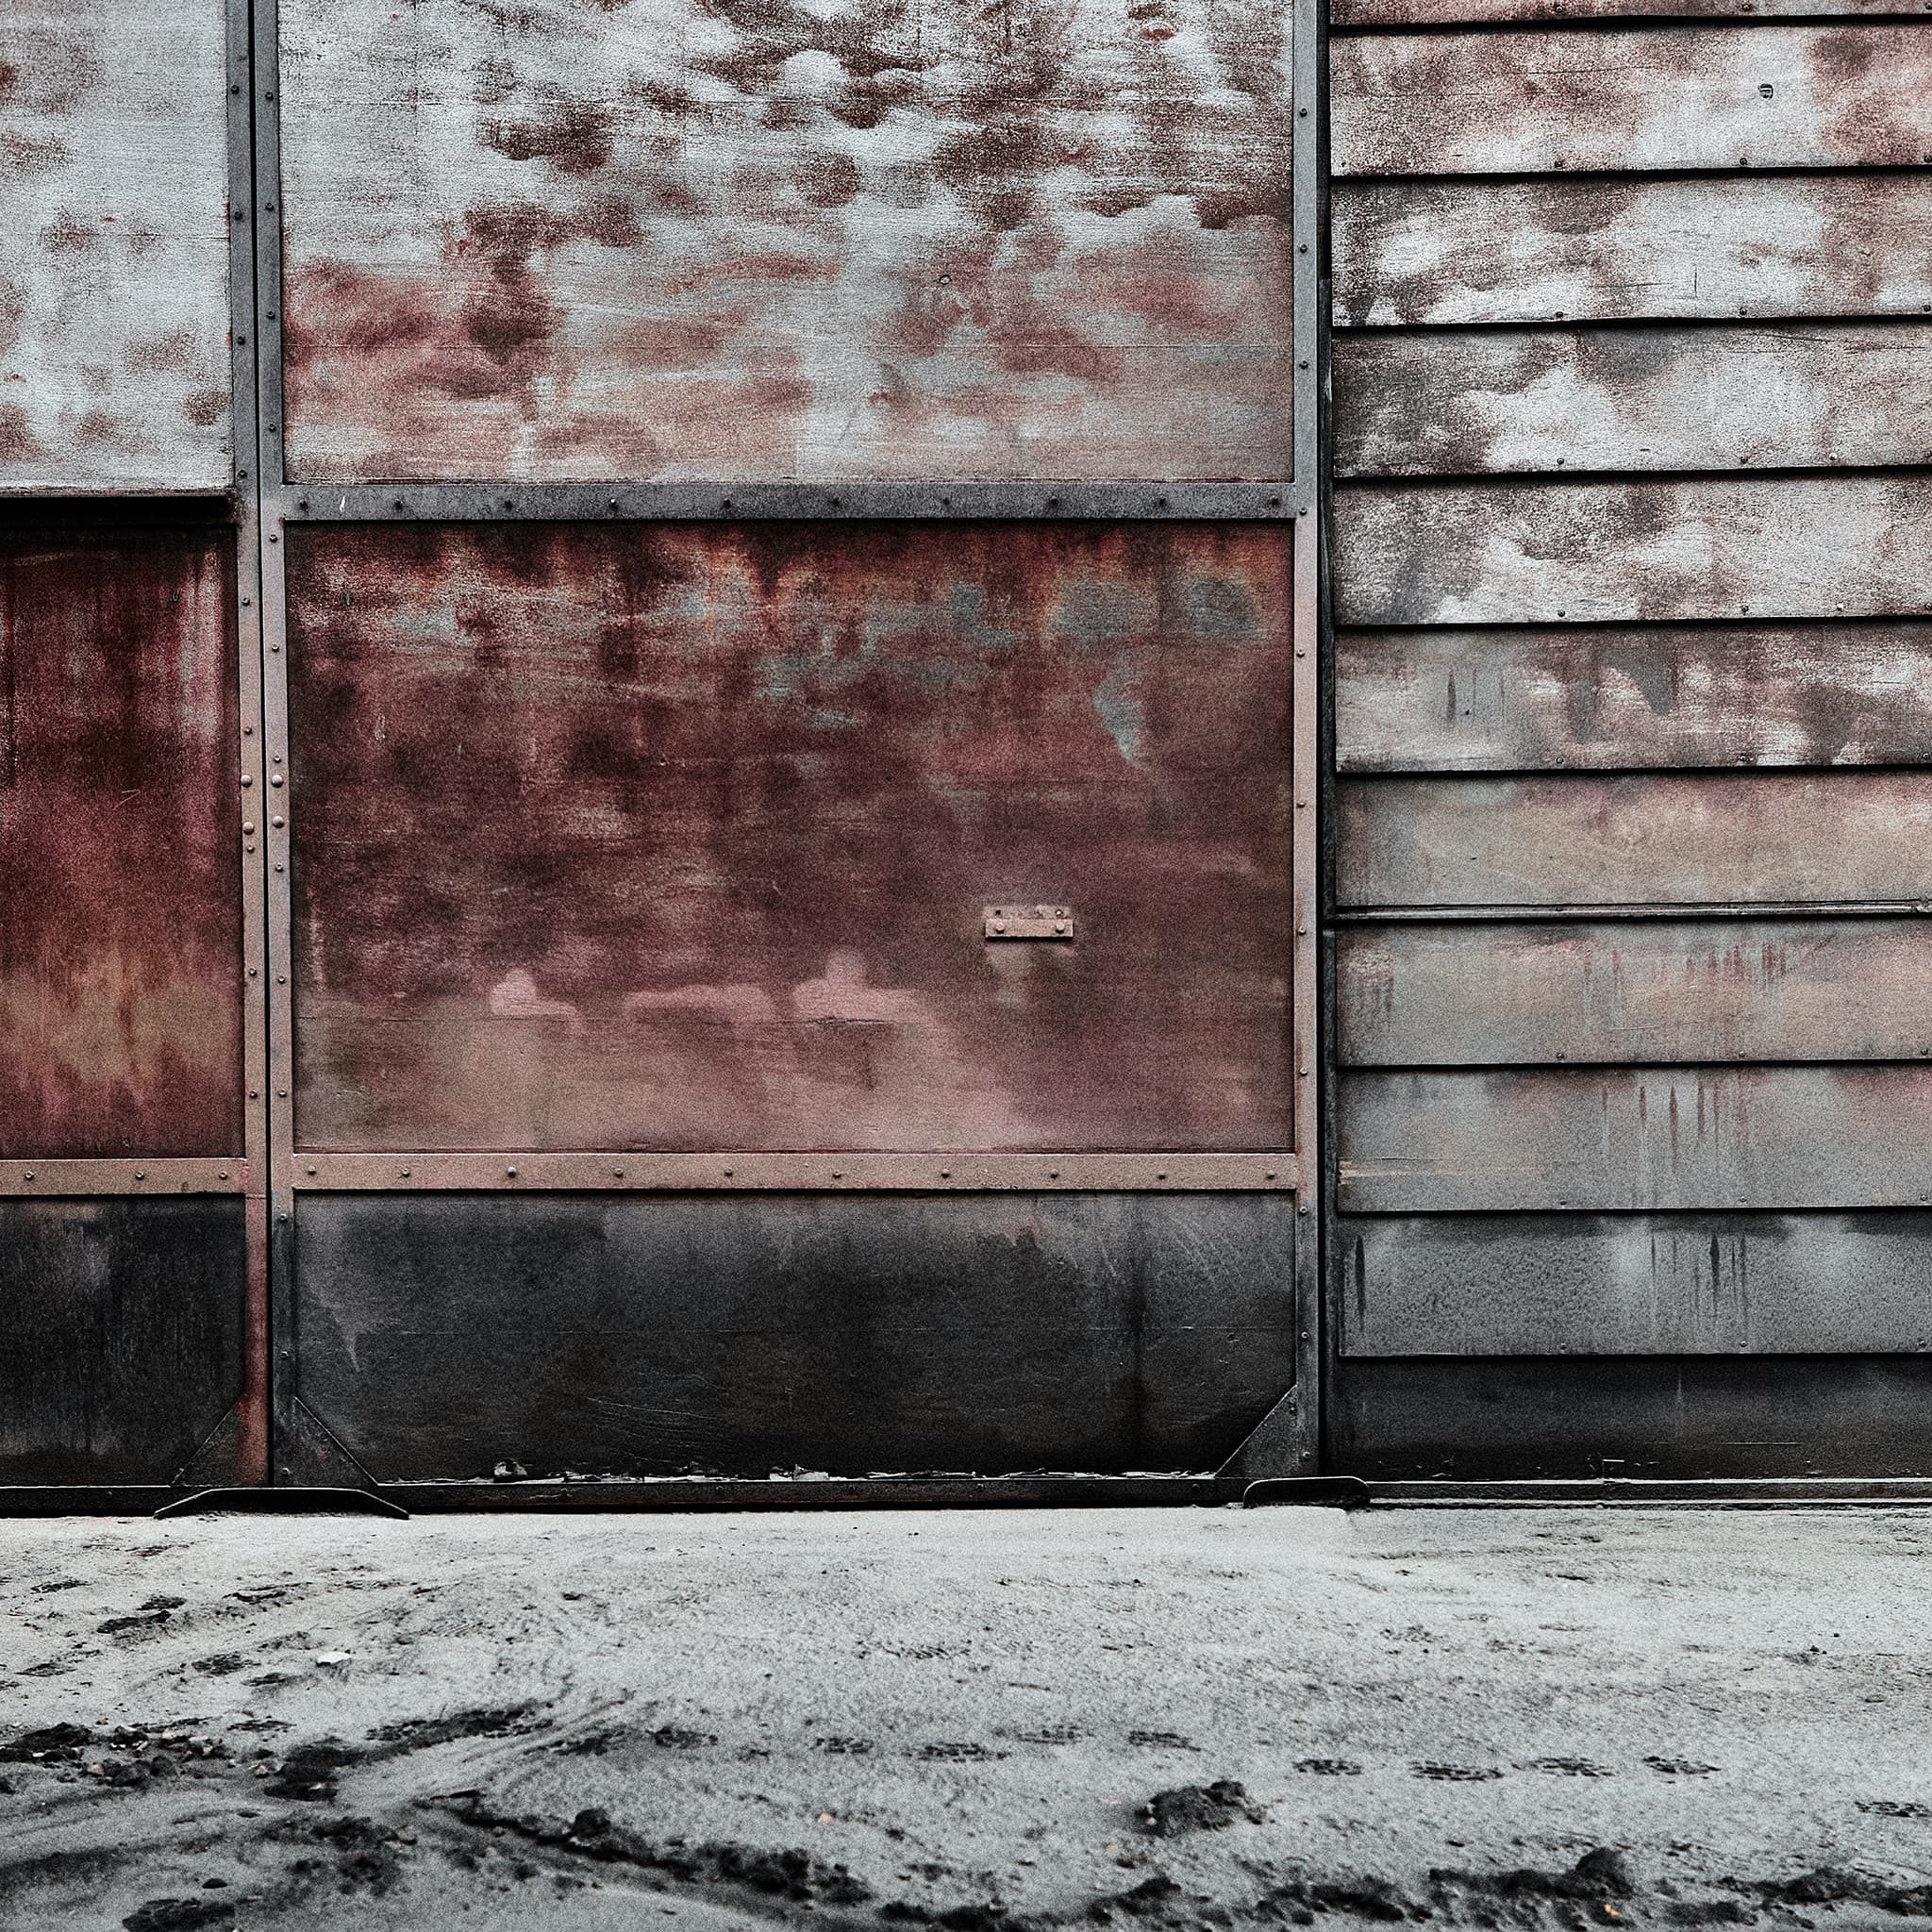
670 240
1724 546
1598 1139
1635 991
1612 697
1485 402
1598 100
1719 247
1697 1284
114 286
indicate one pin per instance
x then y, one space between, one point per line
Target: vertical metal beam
266 220
252 1410
1310 384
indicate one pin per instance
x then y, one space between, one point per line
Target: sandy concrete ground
1164 1719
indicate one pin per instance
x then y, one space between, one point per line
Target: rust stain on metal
1848 545
1481 103
1633 696
1790 395
119 956
1552 249
683 836
114 255
908 238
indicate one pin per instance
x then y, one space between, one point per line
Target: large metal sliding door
790 705
133 1133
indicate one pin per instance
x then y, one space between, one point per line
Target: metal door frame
1287 1441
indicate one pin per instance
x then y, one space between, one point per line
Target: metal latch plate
1029 922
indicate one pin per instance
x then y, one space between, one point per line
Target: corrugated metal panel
1564 1132
1590 1138
1480 103
1642 991
121 951
740 1337
683 835
1484 402
1627 697
1720 546
115 248
1628 839
777 240
1709 247
1637 1284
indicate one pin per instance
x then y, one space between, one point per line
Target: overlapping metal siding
1633 705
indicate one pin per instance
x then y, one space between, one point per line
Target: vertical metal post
1310 384
252 1449
266 220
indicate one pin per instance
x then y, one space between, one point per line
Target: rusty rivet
245 603
281 979
404 1174
1301 805
141 1173
1303 247
278 819
29 1173
273 538
729 1172
512 1173
274 777
223 1175
1301 1211
1302 112
837 1174
999 926
1053 1174
946 1173
1060 925
1161 1175
311 1170
1271 1172
247 778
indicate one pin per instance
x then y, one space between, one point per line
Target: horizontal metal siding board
439 1335
1633 696
1632 249
1713 548
119 1335
682 836
1720 97
1695 1416
671 239
114 251
1786 395
1608 1139
1636 990
1637 1284
1351 15
1846 837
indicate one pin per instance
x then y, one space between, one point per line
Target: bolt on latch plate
1029 922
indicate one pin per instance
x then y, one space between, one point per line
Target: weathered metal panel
1483 401
1349 14
1699 1416
120 1336
440 1337
114 245
1722 547
1585 250
1705 839
1636 1284
1633 696
682 836
775 240
1602 1138
119 862
1635 991
1489 103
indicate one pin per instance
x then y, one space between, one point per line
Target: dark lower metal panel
1657 1418
120 1336
443 1337
830 1493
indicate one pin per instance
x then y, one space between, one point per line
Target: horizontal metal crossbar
82 1179
832 1173
496 499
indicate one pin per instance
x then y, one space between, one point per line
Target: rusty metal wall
909 239
134 1083
770 495
1630 741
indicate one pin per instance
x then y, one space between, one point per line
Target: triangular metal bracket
307 1453
216 1464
